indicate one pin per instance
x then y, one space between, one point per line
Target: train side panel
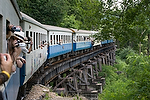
8 14
38 55
56 50
81 45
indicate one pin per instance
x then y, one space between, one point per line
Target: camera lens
18 41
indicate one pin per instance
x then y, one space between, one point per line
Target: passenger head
14 36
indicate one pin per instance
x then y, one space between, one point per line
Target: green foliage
123 52
62 94
45 11
70 22
139 71
134 81
52 84
46 97
77 97
64 75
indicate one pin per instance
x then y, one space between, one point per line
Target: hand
21 59
6 65
31 43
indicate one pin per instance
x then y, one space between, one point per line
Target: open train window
57 39
77 38
34 40
84 38
27 33
30 34
64 38
54 39
51 39
7 24
37 41
69 39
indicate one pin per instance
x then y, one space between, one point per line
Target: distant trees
127 23
45 11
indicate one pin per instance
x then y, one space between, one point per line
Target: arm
3 78
30 49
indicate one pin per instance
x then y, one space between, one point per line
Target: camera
4 59
14 29
19 44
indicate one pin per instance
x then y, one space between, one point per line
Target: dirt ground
40 92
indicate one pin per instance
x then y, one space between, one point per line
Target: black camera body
19 44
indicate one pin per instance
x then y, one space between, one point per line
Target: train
50 44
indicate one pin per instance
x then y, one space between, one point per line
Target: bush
134 81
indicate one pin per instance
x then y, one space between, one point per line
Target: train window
37 41
59 38
56 39
30 34
7 24
34 40
43 38
51 39
27 33
64 38
69 38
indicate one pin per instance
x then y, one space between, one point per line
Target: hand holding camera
6 63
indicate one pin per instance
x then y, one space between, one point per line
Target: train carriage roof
56 28
16 7
82 31
31 20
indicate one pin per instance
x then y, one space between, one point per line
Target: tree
45 11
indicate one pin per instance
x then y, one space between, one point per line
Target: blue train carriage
81 39
9 14
60 42
38 55
105 42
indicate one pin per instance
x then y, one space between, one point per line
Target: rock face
39 92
